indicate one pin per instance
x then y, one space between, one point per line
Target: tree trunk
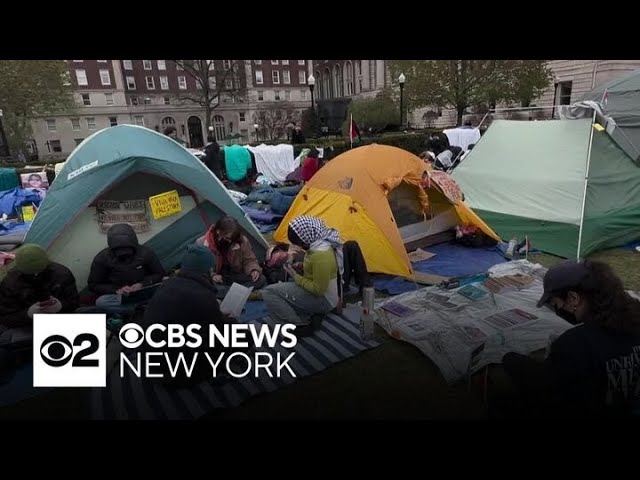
459 119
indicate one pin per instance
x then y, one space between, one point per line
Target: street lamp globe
311 81
402 79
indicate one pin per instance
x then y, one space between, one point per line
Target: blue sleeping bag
12 200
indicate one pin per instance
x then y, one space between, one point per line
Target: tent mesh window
405 205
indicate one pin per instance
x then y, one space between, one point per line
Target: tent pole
586 182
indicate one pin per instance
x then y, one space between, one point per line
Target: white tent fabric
462 137
274 161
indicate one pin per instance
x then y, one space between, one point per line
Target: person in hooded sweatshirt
123 267
212 158
35 284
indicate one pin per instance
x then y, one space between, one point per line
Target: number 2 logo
57 351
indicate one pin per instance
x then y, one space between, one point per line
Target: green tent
110 178
562 183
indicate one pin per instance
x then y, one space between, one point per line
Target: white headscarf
315 233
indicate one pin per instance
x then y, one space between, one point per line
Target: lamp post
4 146
401 80
312 84
211 133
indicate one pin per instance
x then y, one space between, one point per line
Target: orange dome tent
382 197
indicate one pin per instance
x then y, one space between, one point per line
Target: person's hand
33 309
298 267
217 279
255 275
135 287
289 269
51 306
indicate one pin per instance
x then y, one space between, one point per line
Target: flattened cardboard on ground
428 279
420 255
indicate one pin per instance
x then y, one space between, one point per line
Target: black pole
312 101
401 101
4 145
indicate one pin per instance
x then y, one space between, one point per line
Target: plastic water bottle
367 314
511 247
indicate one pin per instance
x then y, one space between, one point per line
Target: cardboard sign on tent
127 165
376 196
565 184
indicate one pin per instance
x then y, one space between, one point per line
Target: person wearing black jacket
593 369
35 284
212 158
123 267
189 297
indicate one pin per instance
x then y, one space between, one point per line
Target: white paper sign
235 300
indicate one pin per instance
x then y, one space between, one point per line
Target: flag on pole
605 97
353 131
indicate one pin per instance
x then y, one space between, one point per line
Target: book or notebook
472 292
142 295
397 309
235 300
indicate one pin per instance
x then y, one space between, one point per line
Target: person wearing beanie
35 284
186 298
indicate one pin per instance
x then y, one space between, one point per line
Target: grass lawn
393 381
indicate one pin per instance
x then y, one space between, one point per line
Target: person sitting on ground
235 260
311 295
310 165
186 298
35 284
123 267
592 369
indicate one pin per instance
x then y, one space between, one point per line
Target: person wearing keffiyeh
305 300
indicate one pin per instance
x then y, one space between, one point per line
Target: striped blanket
132 398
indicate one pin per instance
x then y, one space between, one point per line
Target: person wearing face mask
35 284
594 368
235 260
123 267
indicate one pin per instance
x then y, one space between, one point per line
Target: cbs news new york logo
69 350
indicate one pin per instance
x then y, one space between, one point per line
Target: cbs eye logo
69 350
131 335
57 351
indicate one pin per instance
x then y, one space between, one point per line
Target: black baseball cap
564 275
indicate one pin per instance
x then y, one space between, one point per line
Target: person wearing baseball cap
593 369
35 284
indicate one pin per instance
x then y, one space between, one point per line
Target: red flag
354 131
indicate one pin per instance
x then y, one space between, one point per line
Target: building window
285 62
102 61
127 64
166 121
219 127
564 96
275 75
81 77
259 77
167 100
274 62
226 64
242 117
139 120
228 84
105 78
91 123
182 83
51 125
86 99
131 83
348 69
108 98
277 95
286 77
113 121
55 145
300 62
302 77
258 62
79 61
212 83
147 64
303 94
133 100
287 95
78 141
151 85
162 65
147 101
260 96
75 124
164 83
